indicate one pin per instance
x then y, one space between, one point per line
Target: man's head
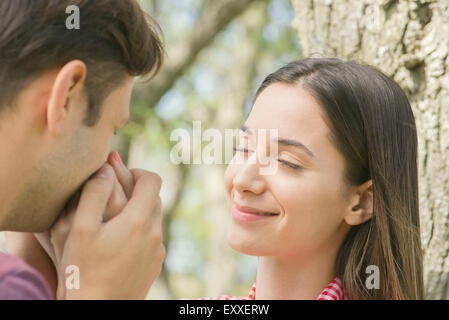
63 93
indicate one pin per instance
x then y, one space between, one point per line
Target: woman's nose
248 179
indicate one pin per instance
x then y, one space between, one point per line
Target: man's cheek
101 151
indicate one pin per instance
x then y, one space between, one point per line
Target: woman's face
302 202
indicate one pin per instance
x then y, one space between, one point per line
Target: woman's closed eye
289 164
283 161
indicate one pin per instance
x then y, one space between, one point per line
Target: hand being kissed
111 231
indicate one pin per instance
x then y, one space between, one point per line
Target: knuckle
156 237
140 222
153 179
158 254
156 179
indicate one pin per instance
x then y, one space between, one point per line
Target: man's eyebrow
289 142
285 142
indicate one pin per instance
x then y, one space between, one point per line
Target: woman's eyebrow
286 142
289 142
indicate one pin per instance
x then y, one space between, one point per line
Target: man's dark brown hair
116 38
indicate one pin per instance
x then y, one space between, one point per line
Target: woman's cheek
230 172
299 225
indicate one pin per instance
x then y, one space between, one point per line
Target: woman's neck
293 279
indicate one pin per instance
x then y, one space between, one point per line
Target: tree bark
408 40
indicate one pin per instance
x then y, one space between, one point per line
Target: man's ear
66 89
361 207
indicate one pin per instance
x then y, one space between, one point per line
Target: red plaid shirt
333 291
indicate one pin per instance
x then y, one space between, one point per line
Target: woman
342 208
339 217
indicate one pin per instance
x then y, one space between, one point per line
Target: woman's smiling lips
243 213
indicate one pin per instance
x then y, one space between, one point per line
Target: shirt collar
333 291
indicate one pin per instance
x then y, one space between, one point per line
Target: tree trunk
408 40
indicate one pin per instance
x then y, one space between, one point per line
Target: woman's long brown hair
372 124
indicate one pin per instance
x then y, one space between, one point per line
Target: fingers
94 198
145 197
59 233
44 240
124 176
116 203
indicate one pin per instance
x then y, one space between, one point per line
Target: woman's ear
361 207
66 92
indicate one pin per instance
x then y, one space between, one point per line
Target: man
63 94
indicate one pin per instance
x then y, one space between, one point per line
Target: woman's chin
244 244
